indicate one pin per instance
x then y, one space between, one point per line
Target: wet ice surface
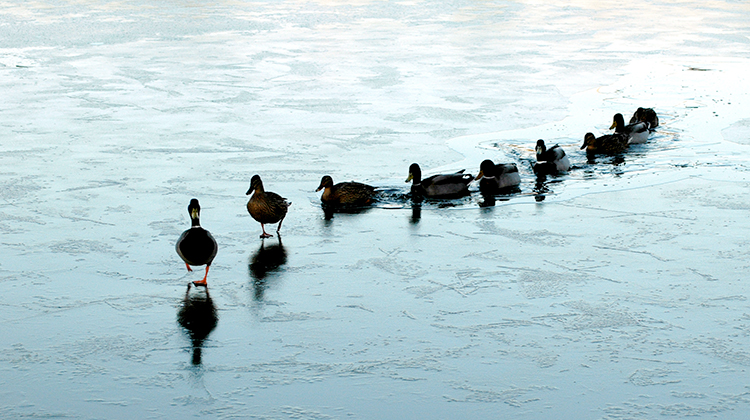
621 294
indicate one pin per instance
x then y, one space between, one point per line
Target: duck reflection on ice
329 211
198 316
488 199
416 212
540 188
490 196
267 259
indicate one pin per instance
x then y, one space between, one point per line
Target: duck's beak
584 146
410 177
538 150
194 213
250 191
479 175
320 187
614 124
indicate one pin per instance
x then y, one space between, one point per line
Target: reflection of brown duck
438 186
266 206
266 260
196 246
610 144
199 317
345 194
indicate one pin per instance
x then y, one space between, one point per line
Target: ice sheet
616 291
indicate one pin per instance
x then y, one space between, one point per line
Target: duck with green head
647 115
550 161
196 246
438 186
497 176
637 132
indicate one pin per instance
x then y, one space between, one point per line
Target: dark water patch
645 157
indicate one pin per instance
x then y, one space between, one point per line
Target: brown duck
345 194
266 206
610 144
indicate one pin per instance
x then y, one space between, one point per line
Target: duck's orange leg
202 282
188 267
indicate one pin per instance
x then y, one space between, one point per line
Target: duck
647 115
438 186
497 177
196 246
637 132
266 207
345 194
550 161
609 144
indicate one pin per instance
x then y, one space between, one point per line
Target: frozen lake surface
616 291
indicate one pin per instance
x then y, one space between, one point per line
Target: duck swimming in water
550 161
647 115
497 177
610 144
637 132
196 246
345 194
266 207
438 186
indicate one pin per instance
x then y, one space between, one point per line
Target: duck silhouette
198 316
266 260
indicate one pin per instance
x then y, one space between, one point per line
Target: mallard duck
497 177
550 161
637 132
266 206
647 115
196 246
438 186
345 194
610 144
